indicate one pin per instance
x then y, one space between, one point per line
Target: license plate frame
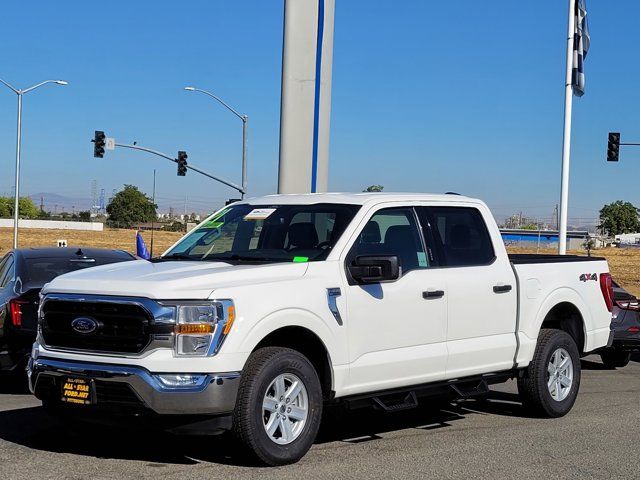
76 390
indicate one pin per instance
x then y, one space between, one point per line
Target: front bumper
214 394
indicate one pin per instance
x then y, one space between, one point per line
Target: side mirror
375 269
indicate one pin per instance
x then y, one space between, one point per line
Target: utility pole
153 200
185 213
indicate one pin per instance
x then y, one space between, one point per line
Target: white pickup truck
274 306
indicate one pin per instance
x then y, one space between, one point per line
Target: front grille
121 328
116 394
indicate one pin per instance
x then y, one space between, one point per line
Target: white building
628 238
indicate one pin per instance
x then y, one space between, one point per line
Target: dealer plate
78 391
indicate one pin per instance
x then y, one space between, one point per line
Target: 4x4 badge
585 277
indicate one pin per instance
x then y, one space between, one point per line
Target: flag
141 247
581 41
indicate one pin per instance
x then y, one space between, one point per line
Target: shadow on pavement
591 365
33 428
635 357
12 385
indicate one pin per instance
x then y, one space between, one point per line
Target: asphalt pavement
493 439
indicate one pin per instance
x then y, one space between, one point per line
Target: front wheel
279 406
613 358
550 385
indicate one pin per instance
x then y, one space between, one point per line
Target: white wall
53 224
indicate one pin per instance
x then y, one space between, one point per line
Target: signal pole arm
192 167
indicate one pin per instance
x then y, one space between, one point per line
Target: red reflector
15 307
633 330
606 287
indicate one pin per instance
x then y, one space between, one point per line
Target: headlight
202 327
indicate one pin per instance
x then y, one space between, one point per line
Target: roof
354 198
71 252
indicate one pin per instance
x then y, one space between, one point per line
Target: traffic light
182 163
98 144
613 147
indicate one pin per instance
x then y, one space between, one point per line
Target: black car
626 325
23 273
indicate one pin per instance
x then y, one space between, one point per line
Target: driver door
396 330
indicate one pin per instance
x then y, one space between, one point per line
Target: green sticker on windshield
300 259
214 222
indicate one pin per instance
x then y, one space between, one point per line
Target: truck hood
169 280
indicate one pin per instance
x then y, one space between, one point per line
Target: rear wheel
613 358
279 406
550 385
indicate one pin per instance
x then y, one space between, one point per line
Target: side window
6 274
392 231
462 235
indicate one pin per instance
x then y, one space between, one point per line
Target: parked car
626 325
274 306
23 273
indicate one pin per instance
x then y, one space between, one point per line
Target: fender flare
564 295
293 317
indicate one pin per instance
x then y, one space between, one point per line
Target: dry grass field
624 263
108 238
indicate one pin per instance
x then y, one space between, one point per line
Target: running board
403 398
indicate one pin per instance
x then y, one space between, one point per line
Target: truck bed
527 258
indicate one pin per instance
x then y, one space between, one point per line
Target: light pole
245 131
20 93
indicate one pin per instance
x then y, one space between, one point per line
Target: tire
289 438
613 358
539 394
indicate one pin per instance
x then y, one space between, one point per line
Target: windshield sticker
300 259
259 213
422 259
214 222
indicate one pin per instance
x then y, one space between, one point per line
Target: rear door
481 290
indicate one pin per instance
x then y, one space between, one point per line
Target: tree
619 217
130 206
374 188
26 206
6 207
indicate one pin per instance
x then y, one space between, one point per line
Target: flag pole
566 139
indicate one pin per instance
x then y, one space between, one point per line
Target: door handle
433 294
501 288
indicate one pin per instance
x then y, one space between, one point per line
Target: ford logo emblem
84 325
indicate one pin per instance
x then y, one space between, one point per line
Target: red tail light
15 308
606 286
633 330
628 305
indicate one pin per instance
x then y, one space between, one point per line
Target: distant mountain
54 202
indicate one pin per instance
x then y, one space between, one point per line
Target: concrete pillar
307 59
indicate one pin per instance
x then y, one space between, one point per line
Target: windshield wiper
174 256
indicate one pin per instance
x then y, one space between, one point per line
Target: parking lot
492 439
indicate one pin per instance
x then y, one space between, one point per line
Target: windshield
277 233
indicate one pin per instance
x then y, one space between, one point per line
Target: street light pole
16 204
245 131
20 93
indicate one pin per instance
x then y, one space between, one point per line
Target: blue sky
427 96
